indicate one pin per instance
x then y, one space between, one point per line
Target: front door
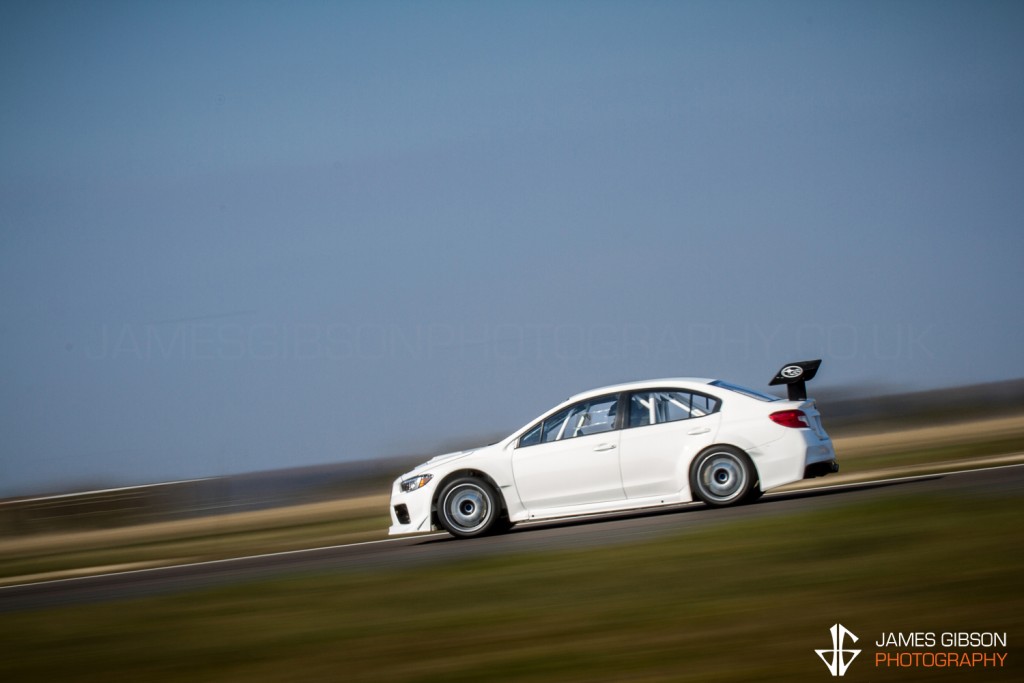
574 459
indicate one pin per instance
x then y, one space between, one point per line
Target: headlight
416 482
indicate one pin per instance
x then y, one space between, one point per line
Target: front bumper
410 512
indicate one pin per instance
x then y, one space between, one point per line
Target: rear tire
722 476
468 507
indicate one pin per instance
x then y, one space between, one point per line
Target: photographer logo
838 659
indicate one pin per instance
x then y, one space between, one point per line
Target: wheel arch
723 444
458 474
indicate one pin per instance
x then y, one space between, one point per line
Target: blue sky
240 235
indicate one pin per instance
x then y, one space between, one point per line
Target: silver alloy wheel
722 477
467 507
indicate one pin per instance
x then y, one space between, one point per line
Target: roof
642 384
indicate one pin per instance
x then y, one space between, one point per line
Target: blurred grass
40 556
188 546
935 454
741 600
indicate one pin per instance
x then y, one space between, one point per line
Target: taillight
791 418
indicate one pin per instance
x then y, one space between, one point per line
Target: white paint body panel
625 468
580 471
655 459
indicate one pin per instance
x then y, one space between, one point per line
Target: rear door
663 430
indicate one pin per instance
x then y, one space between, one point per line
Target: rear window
745 391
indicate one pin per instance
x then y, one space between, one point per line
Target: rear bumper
819 457
820 469
791 457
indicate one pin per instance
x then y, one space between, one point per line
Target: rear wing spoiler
796 376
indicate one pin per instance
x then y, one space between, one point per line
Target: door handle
604 447
699 430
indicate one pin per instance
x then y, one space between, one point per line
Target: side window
584 418
701 405
655 407
598 416
555 426
531 437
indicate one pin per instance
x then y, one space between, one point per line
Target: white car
624 447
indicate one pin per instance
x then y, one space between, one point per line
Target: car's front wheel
468 507
722 475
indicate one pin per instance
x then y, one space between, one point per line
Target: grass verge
46 556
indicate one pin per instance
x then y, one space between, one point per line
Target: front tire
722 476
468 507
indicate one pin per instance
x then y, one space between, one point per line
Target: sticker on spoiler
791 371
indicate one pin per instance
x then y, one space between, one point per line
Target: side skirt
623 505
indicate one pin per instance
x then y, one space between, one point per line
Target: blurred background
241 237
259 258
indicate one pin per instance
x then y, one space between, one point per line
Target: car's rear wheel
468 507
722 475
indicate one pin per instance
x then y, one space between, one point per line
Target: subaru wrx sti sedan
624 447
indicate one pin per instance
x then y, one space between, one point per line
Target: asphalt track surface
602 530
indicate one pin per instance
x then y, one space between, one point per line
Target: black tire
468 507
722 476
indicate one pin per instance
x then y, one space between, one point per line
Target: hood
442 459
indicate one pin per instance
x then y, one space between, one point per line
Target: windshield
745 391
